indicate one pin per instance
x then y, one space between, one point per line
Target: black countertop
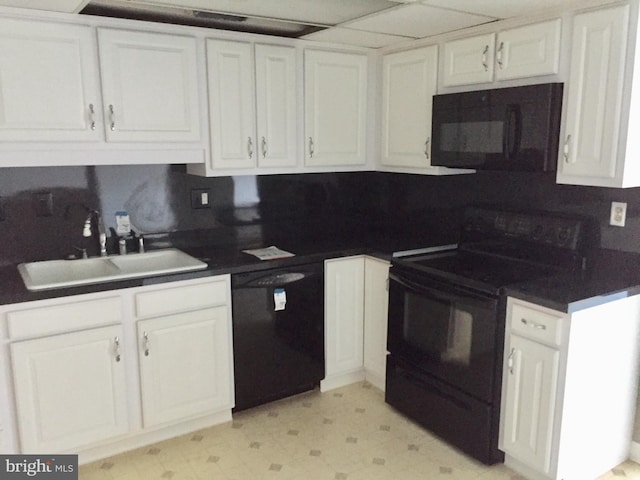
610 275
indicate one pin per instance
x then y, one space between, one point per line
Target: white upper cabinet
335 108
409 83
528 51
597 138
231 104
49 86
469 60
150 86
522 52
252 105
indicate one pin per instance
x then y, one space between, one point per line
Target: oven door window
446 332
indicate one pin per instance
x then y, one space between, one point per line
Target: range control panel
551 229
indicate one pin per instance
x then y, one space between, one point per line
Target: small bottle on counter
122 246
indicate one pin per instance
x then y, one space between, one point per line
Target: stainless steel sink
67 273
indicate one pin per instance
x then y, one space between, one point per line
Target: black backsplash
158 199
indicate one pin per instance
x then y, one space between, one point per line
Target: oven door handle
445 292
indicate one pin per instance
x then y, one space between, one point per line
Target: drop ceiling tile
324 12
501 8
358 38
417 21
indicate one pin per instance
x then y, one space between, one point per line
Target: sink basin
68 273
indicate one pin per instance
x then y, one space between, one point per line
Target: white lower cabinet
569 388
76 385
184 365
355 321
70 389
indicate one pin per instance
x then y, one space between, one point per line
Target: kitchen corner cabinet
602 106
335 108
356 300
522 52
376 306
49 84
344 318
150 86
252 105
409 83
552 381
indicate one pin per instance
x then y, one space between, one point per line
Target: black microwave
515 128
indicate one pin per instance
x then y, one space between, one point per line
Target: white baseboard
634 453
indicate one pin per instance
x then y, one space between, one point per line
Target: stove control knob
537 232
563 235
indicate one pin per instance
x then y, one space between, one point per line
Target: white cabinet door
150 86
469 60
344 303
49 87
531 380
70 390
409 83
335 108
276 106
528 51
185 365
376 305
231 104
590 153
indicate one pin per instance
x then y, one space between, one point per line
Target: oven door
444 330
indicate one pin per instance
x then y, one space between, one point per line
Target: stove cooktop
480 272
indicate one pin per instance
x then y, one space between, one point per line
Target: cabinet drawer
181 299
536 324
64 317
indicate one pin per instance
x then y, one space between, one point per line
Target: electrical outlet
200 198
618 214
43 204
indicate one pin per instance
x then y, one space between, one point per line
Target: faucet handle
140 244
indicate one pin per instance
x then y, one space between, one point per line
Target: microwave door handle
513 131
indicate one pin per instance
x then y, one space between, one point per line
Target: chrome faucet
102 236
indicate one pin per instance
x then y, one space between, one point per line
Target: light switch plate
618 214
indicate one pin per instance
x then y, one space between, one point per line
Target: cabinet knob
145 343
92 117
311 147
499 54
566 150
112 118
510 360
116 348
250 147
485 62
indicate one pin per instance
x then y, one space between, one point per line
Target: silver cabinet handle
264 147
566 150
112 118
499 55
250 147
426 148
116 348
311 147
145 343
510 360
529 323
92 116
485 63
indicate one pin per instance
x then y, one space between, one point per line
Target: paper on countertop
269 253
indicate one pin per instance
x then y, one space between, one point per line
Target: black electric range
447 318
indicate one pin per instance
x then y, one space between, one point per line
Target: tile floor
344 434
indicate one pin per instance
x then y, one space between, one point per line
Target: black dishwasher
278 333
